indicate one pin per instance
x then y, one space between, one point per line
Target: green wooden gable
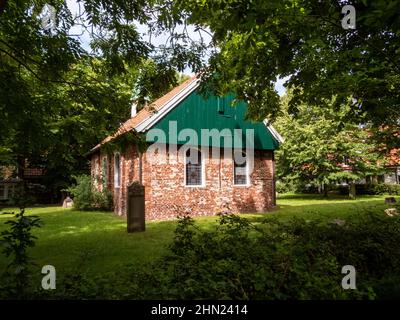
197 112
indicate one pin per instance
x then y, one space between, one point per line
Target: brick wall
167 195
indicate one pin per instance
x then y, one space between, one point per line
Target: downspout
140 167
273 179
219 169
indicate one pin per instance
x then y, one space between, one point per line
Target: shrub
378 189
293 186
277 260
15 241
85 198
102 200
82 192
292 259
386 188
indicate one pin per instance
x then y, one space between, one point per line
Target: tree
56 99
258 41
323 147
61 122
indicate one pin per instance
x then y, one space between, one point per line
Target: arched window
117 170
240 171
194 167
105 171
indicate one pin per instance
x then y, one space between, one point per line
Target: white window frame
117 173
248 181
203 168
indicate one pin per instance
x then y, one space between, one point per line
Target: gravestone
68 203
135 208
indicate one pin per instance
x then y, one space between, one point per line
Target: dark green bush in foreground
295 259
276 260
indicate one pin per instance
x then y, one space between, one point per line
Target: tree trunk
352 190
325 190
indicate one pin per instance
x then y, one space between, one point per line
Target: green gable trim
197 112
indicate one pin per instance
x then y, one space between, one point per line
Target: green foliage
259 41
322 147
380 188
82 192
95 265
295 186
23 195
102 200
86 198
57 99
15 242
296 259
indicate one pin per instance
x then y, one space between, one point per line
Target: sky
85 40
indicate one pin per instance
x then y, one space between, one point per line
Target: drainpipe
273 180
140 167
219 169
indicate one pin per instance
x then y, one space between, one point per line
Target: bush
295 187
292 259
297 259
85 198
378 189
385 188
102 200
285 187
14 242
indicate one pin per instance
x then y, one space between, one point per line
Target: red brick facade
166 194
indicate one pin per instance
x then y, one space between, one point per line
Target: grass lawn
98 241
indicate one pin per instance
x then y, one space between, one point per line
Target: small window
105 172
117 170
240 174
193 167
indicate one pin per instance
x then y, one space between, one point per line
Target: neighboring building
393 167
173 181
9 182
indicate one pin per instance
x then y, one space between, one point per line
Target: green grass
99 240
